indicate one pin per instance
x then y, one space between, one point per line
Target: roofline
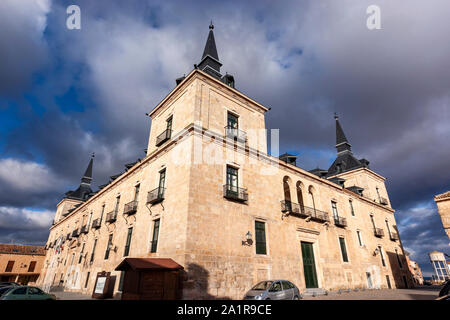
357 169
198 71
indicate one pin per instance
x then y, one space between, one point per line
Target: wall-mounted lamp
248 239
375 252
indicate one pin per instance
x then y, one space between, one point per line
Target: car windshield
4 290
264 285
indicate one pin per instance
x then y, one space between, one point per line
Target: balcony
111 217
383 201
393 236
235 193
75 233
235 134
163 137
96 223
84 229
293 209
340 222
156 195
130 208
378 232
317 215
68 237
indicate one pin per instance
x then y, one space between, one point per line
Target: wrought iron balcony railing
340 221
75 233
235 134
378 232
163 137
69 236
235 193
130 208
383 201
84 229
156 195
293 209
96 223
111 216
393 236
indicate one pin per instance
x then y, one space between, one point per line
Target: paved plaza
419 293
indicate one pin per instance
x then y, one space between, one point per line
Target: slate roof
22 249
84 189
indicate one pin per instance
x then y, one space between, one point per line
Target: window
155 236
275 287
162 183
373 221
87 280
81 253
260 235
9 266
351 207
32 266
398 259
93 251
388 282
34 291
232 121
127 245
136 192
101 215
382 256
169 124
116 208
22 290
343 249
359 238
387 225
334 208
73 258
108 246
122 276
232 179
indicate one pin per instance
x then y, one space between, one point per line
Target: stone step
314 292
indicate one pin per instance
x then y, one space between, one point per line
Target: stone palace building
209 196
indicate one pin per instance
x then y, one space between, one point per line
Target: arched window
311 194
287 193
300 196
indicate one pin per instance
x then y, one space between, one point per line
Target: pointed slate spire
342 144
87 177
210 59
210 47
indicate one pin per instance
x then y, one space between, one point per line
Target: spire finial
336 116
211 26
93 155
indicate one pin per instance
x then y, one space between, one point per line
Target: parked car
8 284
427 282
274 290
27 293
445 290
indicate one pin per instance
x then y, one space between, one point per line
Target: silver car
274 290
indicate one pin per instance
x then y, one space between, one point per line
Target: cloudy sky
66 93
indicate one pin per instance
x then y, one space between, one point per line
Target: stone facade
206 232
443 205
21 264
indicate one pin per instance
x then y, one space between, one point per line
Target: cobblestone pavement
418 293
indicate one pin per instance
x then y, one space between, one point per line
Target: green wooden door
309 265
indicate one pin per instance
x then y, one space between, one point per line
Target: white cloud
20 175
25 219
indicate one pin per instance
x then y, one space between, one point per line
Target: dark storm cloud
304 59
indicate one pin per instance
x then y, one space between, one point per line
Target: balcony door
309 265
162 183
232 180
232 121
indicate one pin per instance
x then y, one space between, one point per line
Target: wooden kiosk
150 279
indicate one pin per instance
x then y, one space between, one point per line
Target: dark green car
27 293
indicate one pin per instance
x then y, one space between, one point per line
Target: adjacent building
443 205
21 264
440 266
414 270
208 196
